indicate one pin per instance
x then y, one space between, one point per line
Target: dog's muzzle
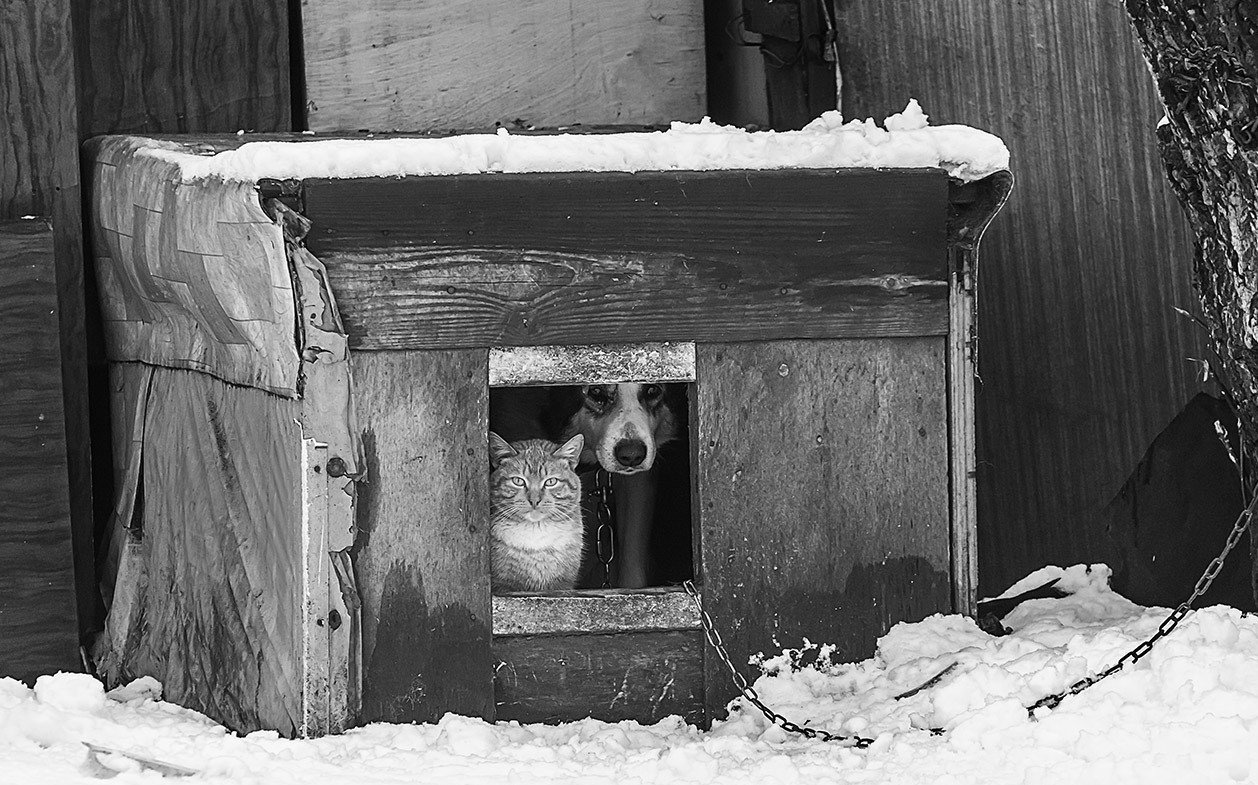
630 453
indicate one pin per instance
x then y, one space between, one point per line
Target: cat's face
534 480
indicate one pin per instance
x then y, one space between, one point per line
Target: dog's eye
517 481
597 394
551 482
652 391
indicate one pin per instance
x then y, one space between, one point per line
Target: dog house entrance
631 406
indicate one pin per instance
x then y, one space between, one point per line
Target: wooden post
1204 55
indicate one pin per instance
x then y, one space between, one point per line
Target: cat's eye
551 482
517 481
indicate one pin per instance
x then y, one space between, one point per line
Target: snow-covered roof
905 140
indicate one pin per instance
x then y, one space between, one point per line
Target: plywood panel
423 512
822 493
1082 358
148 66
478 260
38 626
39 175
642 676
397 65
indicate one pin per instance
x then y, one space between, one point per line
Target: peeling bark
1204 56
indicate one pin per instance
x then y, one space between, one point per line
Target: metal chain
1168 624
749 692
605 536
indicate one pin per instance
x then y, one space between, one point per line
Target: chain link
749 692
1168 624
605 536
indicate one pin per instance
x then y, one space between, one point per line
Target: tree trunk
1204 55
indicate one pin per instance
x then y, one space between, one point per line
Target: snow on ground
1187 713
905 140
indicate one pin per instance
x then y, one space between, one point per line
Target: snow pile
905 140
1187 713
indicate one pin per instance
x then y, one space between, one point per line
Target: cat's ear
498 449
570 450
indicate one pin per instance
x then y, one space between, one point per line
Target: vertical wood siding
1082 356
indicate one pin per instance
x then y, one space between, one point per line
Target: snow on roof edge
905 140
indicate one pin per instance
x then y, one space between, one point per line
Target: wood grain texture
39 174
397 65
1083 359
972 207
644 676
822 489
147 66
423 515
480 260
212 584
594 610
38 624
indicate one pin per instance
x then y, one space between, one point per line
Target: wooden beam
598 610
518 366
578 258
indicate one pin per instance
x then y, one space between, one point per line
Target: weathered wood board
423 563
394 65
822 489
594 610
38 624
39 175
578 258
183 66
643 676
1082 355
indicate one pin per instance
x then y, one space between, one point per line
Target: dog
624 425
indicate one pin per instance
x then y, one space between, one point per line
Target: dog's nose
630 452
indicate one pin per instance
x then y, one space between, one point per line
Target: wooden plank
577 258
423 516
972 208
390 65
38 625
643 676
599 610
1083 358
39 175
519 366
183 66
822 487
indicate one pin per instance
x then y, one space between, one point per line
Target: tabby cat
536 536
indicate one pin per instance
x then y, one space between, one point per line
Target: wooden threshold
587 611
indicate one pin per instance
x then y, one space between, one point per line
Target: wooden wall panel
39 174
1082 357
38 626
180 66
822 514
429 262
641 676
423 512
399 65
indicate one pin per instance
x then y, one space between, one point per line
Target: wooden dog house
301 372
